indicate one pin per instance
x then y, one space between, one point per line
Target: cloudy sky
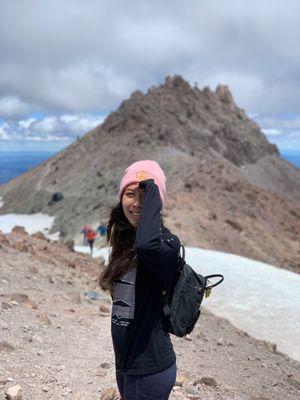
65 64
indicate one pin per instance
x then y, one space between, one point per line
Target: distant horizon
15 162
84 124
76 127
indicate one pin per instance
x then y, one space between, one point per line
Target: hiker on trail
84 231
91 236
143 260
102 232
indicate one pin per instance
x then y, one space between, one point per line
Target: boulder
19 230
39 235
14 393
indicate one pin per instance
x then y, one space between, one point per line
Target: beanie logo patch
141 175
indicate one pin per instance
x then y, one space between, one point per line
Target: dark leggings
91 243
156 386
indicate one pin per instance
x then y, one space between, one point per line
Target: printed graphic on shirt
123 296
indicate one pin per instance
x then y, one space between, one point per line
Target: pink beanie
142 170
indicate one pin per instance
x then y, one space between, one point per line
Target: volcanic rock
14 393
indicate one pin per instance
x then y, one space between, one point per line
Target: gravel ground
55 342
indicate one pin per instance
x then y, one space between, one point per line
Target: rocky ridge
228 187
55 336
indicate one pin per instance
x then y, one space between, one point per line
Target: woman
142 263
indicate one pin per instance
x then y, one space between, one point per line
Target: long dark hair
120 236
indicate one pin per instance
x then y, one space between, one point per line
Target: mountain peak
202 121
228 187
224 94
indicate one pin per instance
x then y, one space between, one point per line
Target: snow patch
86 250
258 298
1 202
32 223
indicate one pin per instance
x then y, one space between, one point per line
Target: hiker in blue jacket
143 260
102 233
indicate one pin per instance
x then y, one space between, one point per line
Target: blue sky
66 64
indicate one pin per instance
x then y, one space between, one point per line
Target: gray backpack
181 304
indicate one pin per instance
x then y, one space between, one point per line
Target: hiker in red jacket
91 235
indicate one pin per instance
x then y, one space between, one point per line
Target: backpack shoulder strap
167 294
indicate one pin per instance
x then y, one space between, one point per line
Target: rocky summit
228 187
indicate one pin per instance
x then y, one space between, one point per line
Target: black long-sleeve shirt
141 344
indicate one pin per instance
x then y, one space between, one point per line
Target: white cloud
283 131
283 122
46 125
253 115
25 124
50 128
242 86
81 123
47 138
99 52
11 106
67 124
4 128
85 87
272 132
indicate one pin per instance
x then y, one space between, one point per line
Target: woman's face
132 202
